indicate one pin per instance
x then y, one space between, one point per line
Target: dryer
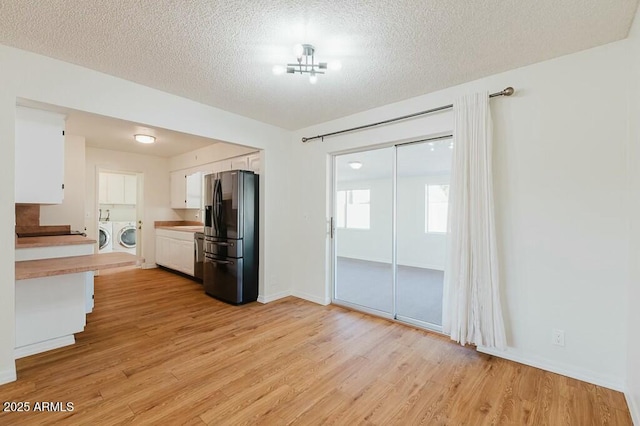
124 237
105 237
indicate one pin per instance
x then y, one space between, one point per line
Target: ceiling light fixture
144 138
306 63
355 165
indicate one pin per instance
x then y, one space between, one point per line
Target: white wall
71 211
414 247
156 191
560 157
633 353
38 78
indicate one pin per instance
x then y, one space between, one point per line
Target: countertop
58 240
183 228
70 265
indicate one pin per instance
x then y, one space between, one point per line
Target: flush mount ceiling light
144 138
355 165
306 64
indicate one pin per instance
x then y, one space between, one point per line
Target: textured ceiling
221 52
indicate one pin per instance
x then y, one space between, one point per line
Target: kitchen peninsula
54 289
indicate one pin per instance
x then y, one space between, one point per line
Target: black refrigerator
231 236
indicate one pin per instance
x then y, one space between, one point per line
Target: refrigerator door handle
219 243
223 262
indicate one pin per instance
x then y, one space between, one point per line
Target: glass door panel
422 187
363 203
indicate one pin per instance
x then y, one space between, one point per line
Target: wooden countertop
70 265
51 241
183 228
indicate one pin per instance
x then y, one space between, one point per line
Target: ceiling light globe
278 69
144 138
313 79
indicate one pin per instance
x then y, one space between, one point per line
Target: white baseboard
149 266
311 298
8 376
272 297
634 408
47 345
562 369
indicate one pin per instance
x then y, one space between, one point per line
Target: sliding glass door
363 229
422 185
390 219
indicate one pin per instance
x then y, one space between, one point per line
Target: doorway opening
119 211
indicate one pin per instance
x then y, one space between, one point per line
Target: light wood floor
156 350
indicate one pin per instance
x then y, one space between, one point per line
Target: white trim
588 376
8 376
311 298
273 297
47 345
149 265
634 408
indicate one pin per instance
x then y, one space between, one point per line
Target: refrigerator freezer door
222 248
223 279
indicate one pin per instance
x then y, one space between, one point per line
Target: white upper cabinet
253 162
239 163
187 186
186 190
178 190
194 190
39 156
117 188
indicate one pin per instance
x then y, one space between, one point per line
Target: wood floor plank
157 350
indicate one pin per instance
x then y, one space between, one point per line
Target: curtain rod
506 92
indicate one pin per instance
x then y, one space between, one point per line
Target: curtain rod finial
508 91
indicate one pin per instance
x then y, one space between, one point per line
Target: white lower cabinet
175 250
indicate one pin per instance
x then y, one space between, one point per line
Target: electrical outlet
557 337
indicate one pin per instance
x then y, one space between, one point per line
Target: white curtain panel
472 311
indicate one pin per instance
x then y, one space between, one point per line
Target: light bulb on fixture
355 165
144 138
306 63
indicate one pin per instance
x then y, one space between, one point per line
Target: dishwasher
198 266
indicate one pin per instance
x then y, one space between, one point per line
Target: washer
105 237
124 237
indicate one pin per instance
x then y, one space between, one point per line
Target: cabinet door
185 257
130 189
194 191
102 188
239 163
254 162
39 156
115 188
162 251
221 166
178 190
